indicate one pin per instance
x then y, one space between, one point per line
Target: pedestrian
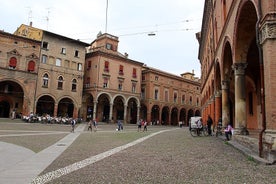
198 126
139 125
13 114
95 124
90 125
209 125
228 132
73 123
120 125
145 126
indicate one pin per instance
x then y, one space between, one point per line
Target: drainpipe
262 80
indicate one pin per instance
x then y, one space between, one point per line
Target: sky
173 48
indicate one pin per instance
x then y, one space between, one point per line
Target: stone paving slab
25 170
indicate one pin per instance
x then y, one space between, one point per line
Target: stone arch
66 107
132 109
45 105
165 115
103 107
174 116
14 97
246 56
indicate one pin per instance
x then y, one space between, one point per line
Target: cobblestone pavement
168 155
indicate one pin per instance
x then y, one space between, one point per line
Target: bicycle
199 131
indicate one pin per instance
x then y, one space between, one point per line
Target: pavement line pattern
41 133
81 164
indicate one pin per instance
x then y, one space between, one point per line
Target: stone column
95 110
225 102
125 113
138 113
217 106
240 101
55 110
110 111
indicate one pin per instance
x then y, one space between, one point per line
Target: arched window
12 63
74 85
45 80
60 82
106 66
183 99
87 83
31 66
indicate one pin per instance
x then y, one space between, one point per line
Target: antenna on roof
29 15
47 17
106 16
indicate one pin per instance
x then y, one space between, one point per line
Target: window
134 73
108 46
166 96
120 86
143 77
76 53
63 50
79 67
44 59
58 62
133 89
197 101
121 70
74 85
191 100
183 99
105 83
106 66
87 83
31 66
88 65
156 78
156 94
175 97
143 94
60 82
12 63
45 45
45 80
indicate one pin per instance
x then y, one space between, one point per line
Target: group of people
94 123
228 129
143 123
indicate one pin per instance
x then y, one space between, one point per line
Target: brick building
169 99
112 82
19 61
58 91
94 80
237 42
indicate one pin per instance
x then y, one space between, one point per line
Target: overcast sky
173 49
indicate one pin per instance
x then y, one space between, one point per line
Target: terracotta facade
168 99
19 61
236 54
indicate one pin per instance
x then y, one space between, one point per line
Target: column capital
239 68
225 84
218 93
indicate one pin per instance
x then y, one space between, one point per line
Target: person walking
139 125
209 125
90 125
95 124
228 132
145 126
73 123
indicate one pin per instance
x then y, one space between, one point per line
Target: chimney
31 24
